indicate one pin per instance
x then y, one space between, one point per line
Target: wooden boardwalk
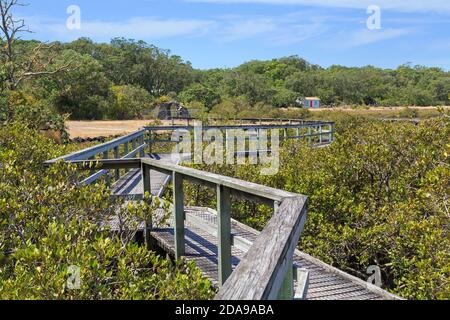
325 282
130 185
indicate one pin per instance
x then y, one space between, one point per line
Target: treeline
124 79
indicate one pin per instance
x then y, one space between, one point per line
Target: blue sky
226 33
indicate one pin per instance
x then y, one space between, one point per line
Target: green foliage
284 98
48 224
128 102
378 196
200 93
83 91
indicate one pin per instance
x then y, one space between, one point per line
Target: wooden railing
317 133
125 147
266 271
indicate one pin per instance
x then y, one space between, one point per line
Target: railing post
125 151
150 143
224 229
145 172
287 288
309 135
107 179
116 156
142 141
178 205
320 134
331 133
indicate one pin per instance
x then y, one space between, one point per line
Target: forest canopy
89 79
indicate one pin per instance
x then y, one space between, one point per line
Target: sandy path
92 129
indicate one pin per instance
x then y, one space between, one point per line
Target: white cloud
365 36
137 28
244 29
282 30
399 5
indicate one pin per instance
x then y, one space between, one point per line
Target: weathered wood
125 151
244 187
276 243
224 229
178 207
142 142
145 172
108 179
116 156
94 151
287 287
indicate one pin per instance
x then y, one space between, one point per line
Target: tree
128 102
254 87
17 66
82 93
201 93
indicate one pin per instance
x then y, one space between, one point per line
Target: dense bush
48 224
200 93
128 103
81 92
378 196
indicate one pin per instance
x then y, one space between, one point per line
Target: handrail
316 136
243 126
95 150
266 271
318 133
135 138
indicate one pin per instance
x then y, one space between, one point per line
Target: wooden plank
105 157
224 230
287 287
116 155
245 187
178 206
125 148
93 151
145 174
